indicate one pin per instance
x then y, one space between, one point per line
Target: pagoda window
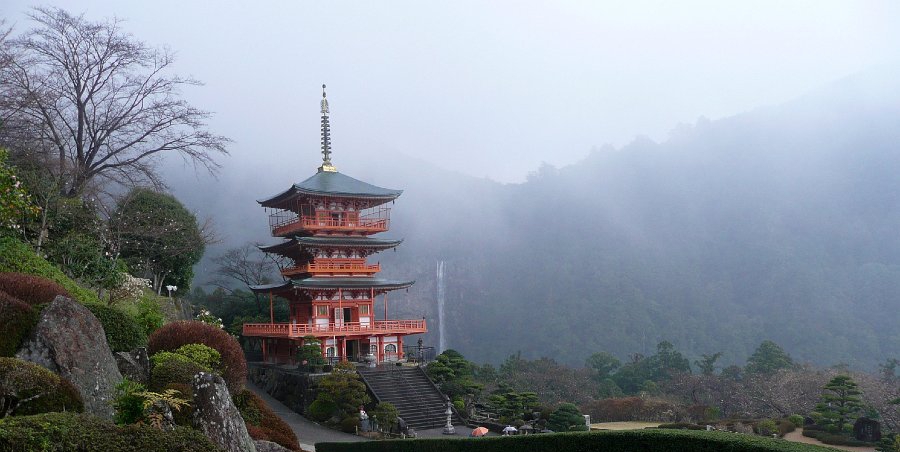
322 311
390 348
363 309
329 352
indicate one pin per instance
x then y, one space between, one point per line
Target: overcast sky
492 88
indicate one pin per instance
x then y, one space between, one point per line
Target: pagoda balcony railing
285 223
333 266
294 330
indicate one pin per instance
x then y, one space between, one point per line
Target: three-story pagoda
327 223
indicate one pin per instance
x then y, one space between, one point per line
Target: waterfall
440 300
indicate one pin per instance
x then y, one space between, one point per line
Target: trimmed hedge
175 369
17 319
22 380
173 335
16 256
63 432
123 332
618 441
31 289
262 422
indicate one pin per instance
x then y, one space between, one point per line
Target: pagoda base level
369 349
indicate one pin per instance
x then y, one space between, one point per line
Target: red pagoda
327 223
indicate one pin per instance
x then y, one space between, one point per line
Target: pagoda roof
332 242
333 284
332 183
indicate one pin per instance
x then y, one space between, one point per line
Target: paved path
308 432
797 437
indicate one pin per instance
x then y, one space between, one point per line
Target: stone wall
294 389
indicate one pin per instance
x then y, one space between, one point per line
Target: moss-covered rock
27 388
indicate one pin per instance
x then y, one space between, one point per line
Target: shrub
123 332
834 439
682 426
17 319
27 388
567 418
60 432
129 406
796 419
785 426
174 369
322 410
149 315
33 290
173 335
349 424
766 427
16 256
619 441
201 354
386 415
262 422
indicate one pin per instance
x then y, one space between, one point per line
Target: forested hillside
778 224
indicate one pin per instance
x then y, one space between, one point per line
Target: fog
624 173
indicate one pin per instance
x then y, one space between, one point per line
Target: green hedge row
617 441
61 432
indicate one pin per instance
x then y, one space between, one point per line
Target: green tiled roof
333 283
328 183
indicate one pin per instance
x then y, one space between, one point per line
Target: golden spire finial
326 136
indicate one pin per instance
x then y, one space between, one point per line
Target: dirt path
797 437
631 425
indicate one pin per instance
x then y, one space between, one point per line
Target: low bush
681 426
321 410
566 418
173 335
123 332
349 424
786 426
834 439
17 319
796 419
16 256
628 409
201 354
31 289
619 441
129 406
27 388
174 368
262 422
62 432
766 427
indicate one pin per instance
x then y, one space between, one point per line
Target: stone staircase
417 399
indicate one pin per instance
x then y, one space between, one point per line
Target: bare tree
103 103
244 264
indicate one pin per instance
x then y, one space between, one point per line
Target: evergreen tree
840 401
567 418
768 358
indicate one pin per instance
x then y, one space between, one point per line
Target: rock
70 341
216 416
160 415
269 446
134 365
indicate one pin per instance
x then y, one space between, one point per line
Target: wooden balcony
330 221
380 327
334 267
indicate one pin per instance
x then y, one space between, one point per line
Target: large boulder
135 365
70 341
268 446
216 416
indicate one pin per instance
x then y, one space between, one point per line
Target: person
363 419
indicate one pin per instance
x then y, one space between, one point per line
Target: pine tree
840 402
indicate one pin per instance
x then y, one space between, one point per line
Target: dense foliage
619 441
567 418
16 321
768 358
16 256
173 335
27 388
158 237
63 432
123 332
171 368
262 422
344 389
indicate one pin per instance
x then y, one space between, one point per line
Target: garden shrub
566 418
123 332
322 410
33 290
21 380
174 368
786 426
796 419
834 439
62 432
349 424
16 256
17 319
618 441
129 406
262 422
201 354
173 335
386 415
766 427
149 315
681 426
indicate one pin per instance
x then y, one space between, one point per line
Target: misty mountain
780 223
